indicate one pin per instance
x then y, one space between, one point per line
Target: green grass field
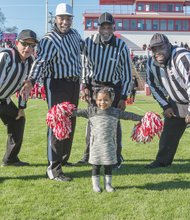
26 193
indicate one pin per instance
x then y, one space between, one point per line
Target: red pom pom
58 119
150 125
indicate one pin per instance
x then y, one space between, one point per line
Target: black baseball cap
27 34
106 18
158 40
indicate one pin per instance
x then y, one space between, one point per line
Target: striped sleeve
126 72
188 92
13 73
88 68
182 62
157 90
5 61
84 67
45 51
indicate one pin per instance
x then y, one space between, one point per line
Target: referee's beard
106 38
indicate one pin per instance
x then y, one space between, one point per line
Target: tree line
3 28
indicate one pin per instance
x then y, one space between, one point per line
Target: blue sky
31 13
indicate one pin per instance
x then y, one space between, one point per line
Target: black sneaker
83 161
122 158
117 165
154 164
68 164
62 178
16 164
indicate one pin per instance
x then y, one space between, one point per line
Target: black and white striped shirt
58 56
173 80
12 72
108 63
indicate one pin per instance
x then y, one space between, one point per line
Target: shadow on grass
126 169
150 160
140 169
131 169
29 177
38 164
176 184
167 185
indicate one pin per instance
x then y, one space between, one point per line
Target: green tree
13 29
2 20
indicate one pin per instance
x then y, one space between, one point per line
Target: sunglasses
24 44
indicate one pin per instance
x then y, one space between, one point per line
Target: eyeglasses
25 44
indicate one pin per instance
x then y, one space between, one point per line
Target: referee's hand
168 113
121 105
26 89
85 95
20 114
187 119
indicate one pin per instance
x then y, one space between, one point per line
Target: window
140 7
163 7
155 25
178 8
163 25
177 25
170 25
185 25
125 24
148 25
170 8
147 7
133 24
88 23
155 7
140 25
95 23
118 24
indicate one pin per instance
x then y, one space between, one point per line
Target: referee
169 80
106 63
15 64
59 60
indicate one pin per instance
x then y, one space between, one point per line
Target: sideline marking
140 109
31 106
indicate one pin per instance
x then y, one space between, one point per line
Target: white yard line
139 109
31 106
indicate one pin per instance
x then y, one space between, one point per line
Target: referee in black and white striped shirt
59 60
168 75
15 64
106 63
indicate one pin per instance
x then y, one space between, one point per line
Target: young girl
103 121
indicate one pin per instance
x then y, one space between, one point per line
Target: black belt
71 79
109 84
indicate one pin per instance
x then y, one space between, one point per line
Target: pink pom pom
150 125
58 119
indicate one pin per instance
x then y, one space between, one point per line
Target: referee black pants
15 131
169 140
58 91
